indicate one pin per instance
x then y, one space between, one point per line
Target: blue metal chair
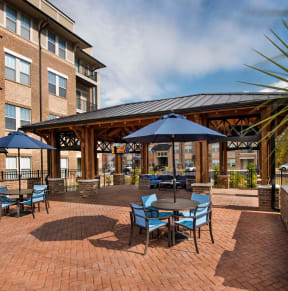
201 198
153 212
5 201
202 215
39 195
139 217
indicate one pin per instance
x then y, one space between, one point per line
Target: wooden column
205 162
265 148
54 158
223 158
198 162
118 164
144 158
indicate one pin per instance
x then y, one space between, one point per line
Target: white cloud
279 84
145 48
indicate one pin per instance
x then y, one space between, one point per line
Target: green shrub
252 176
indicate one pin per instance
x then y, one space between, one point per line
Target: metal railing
85 106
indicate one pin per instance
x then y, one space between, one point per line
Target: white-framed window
82 98
51 42
215 147
56 44
12 167
17 69
188 163
231 163
177 163
57 83
215 163
10 67
18 22
63 166
25 26
188 148
176 148
62 48
52 116
16 117
11 19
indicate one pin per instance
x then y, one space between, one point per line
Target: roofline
92 57
183 111
60 11
58 23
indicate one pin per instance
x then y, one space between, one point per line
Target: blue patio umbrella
173 128
19 140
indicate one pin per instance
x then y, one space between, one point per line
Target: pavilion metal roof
185 104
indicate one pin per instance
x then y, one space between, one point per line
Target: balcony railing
87 72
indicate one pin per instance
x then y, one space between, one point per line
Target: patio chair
139 217
153 212
202 215
39 195
5 201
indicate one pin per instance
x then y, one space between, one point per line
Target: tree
281 75
282 149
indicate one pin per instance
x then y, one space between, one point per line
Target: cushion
156 223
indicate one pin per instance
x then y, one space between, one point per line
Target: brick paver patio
83 245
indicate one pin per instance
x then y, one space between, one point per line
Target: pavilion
228 113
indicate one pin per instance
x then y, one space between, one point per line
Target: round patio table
20 193
180 204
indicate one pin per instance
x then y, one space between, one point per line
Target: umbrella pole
174 169
19 170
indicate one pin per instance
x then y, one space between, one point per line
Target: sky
157 49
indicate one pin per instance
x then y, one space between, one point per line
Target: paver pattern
83 245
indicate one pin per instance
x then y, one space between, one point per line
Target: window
176 148
11 19
12 167
188 149
188 163
51 42
24 73
16 117
52 116
10 67
177 163
162 154
24 116
215 147
52 83
215 163
62 87
57 84
10 117
231 163
62 48
63 166
82 98
25 26
17 69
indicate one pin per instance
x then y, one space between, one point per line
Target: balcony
82 105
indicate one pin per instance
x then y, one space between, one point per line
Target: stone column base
55 185
118 179
32 182
189 182
88 187
265 196
223 181
144 183
284 205
202 188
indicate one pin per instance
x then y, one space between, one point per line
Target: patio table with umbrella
19 140
173 128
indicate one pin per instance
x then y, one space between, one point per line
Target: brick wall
205 188
264 194
118 179
144 183
223 181
284 205
88 187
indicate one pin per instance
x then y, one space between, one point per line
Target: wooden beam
144 158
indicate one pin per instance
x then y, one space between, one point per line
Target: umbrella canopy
173 127
20 140
170 128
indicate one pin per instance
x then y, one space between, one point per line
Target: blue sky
165 48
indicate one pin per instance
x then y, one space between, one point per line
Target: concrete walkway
83 245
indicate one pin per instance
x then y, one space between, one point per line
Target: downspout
42 25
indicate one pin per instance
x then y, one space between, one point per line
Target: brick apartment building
47 71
